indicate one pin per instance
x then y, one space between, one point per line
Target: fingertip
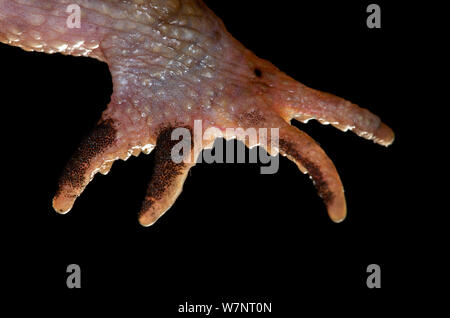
337 211
146 222
384 135
151 211
62 204
338 219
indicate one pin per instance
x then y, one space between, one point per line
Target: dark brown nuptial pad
81 167
168 176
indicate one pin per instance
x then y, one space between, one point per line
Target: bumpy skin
173 62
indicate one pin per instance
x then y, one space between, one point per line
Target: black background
233 234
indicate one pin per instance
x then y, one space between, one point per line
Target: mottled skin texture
173 62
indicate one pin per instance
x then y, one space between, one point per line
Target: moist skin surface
173 62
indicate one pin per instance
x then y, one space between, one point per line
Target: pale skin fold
173 62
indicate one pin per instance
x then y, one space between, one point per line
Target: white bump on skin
92 45
78 44
35 19
34 44
156 47
35 35
188 35
207 74
147 148
62 48
12 38
13 30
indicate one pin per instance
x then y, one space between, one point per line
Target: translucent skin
173 62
